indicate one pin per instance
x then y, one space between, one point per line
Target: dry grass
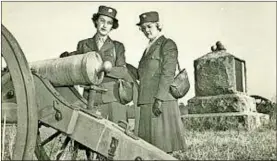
8 141
230 145
259 144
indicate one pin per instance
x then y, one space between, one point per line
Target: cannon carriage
34 102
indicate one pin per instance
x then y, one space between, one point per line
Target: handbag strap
178 65
161 51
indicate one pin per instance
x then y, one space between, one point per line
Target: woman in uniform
160 120
110 50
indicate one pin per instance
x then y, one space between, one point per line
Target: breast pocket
149 66
154 65
154 60
109 53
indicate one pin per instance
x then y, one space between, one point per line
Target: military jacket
156 71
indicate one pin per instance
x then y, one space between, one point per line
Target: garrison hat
151 16
106 11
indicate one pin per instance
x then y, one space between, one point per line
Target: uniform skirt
165 131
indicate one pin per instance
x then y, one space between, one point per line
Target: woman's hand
156 109
130 103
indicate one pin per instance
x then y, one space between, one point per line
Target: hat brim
98 14
140 23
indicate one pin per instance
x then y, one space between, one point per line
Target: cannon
45 109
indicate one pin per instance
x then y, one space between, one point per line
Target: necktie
100 42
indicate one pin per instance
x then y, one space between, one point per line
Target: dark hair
96 16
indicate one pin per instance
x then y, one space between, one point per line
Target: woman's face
104 25
150 30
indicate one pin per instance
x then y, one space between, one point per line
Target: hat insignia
110 10
144 16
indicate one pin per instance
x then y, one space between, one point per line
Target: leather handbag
181 85
125 90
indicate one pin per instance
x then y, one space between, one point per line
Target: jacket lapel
108 45
143 56
92 44
154 46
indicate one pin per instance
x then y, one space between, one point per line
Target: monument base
238 102
225 121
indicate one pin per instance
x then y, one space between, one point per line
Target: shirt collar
157 37
100 38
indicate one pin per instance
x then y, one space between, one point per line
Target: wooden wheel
54 145
19 108
263 105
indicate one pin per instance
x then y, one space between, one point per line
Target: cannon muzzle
106 67
83 69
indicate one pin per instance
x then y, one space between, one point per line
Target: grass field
230 145
259 144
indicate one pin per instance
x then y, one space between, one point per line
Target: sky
247 29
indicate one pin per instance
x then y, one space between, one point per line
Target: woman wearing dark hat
160 120
108 103
110 50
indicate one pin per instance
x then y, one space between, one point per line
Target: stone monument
221 99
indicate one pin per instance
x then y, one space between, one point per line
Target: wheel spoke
75 151
50 138
62 149
90 155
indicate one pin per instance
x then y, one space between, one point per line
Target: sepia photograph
138 80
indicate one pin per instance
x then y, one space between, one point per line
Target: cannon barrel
83 69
